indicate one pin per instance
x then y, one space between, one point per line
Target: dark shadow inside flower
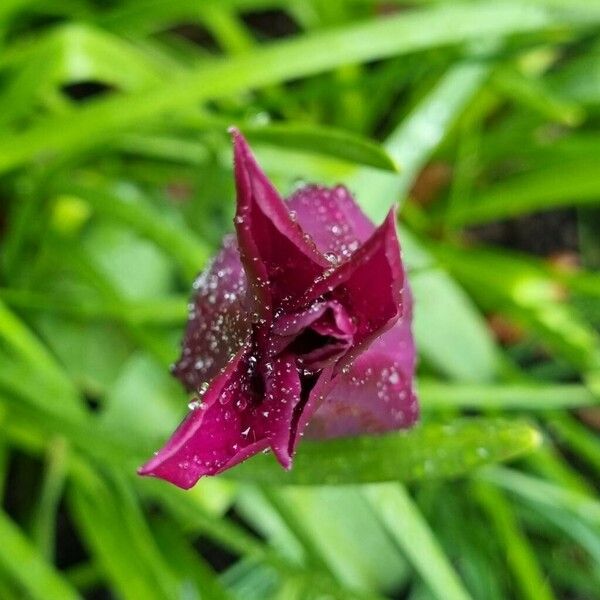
312 349
317 336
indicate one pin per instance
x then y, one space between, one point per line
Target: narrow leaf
306 55
431 451
410 530
19 558
323 140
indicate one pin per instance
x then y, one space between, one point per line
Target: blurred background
479 119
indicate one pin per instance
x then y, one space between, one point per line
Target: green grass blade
568 184
410 530
464 396
19 558
519 553
307 55
324 140
539 491
33 352
431 451
174 238
414 140
44 524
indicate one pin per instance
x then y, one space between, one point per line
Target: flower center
317 336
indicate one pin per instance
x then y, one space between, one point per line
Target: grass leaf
431 451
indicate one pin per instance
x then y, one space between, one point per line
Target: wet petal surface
369 286
218 322
216 434
332 218
280 259
375 394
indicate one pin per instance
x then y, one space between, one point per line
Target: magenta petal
330 330
332 218
281 261
369 286
218 323
218 434
337 324
282 397
376 393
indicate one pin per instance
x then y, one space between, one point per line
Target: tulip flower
301 324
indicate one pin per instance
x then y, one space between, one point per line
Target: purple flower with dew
300 324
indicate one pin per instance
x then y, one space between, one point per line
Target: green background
479 119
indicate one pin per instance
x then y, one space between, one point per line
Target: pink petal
332 218
281 261
219 323
375 394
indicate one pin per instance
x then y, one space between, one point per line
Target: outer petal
219 323
332 218
235 421
376 393
281 260
369 286
218 434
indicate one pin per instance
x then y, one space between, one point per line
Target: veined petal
219 323
375 394
332 218
281 260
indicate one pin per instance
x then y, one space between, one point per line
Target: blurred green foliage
480 119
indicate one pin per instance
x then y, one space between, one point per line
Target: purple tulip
301 322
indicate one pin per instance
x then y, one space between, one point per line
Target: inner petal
317 336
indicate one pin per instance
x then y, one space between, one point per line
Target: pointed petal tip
284 459
390 218
152 469
240 143
147 468
237 136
